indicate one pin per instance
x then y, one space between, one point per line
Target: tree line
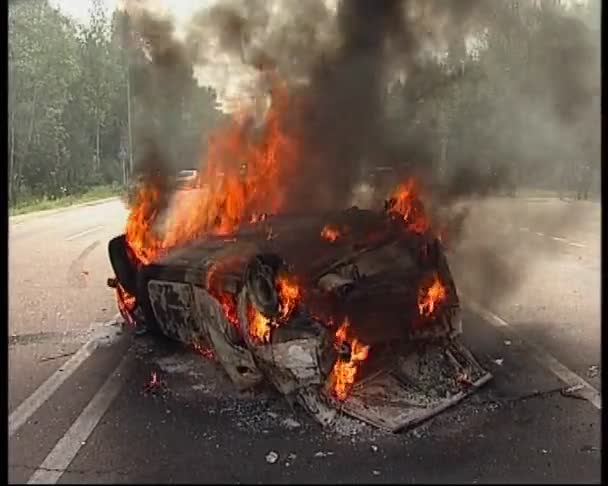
524 103
81 104
84 100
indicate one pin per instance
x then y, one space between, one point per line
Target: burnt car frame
208 293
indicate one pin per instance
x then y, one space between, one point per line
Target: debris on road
57 356
498 361
290 458
375 472
590 448
507 343
593 371
291 423
272 457
573 392
323 454
374 448
464 379
154 384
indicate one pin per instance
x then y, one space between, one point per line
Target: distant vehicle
187 179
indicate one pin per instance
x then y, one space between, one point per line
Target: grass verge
40 204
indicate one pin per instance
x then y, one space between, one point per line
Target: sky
232 89
79 9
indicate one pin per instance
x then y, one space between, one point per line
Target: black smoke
338 63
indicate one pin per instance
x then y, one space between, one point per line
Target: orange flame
206 353
330 233
229 307
226 300
344 372
259 326
140 234
248 169
126 303
289 295
407 203
257 218
431 297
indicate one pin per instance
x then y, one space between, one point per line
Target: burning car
353 311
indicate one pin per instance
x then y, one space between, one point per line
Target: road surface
529 272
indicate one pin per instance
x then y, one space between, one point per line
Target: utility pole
129 116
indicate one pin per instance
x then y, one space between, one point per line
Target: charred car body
353 311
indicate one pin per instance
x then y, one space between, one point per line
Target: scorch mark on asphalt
569 377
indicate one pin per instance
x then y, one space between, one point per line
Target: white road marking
32 403
556 238
64 452
84 233
569 377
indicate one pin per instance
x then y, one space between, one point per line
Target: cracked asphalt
194 427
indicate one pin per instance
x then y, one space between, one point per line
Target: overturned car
351 311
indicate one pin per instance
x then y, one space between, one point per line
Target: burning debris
351 354
382 292
154 384
330 233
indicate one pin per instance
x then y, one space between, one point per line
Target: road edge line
18 218
32 403
543 357
66 449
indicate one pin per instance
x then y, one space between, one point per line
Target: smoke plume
338 58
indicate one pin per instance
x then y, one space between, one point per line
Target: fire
330 233
289 295
431 297
344 372
140 233
243 177
126 304
406 202
229 307
206 353
226 299
257 218
259 327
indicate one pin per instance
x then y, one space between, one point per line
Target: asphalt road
529 274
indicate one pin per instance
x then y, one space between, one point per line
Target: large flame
345 370
289 295
430 296
140 233
230 197
259 326
406 202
